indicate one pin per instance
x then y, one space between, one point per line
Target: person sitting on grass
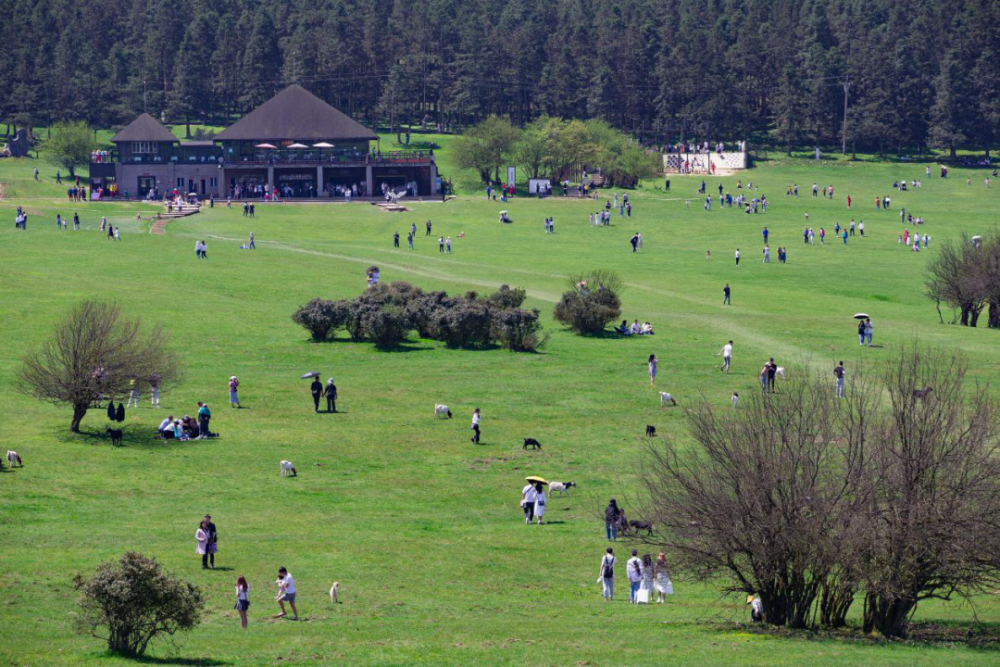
162 429
624 329
647 329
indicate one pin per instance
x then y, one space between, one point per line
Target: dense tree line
916 73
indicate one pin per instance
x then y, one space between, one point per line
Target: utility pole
847 87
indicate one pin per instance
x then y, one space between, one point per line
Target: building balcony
284 158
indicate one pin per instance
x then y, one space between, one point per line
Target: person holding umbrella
528 497
316 389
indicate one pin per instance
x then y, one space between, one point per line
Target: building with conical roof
295 145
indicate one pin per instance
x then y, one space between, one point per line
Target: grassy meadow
422 528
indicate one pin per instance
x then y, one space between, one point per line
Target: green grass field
421 527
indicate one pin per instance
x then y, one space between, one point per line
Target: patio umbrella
535 478
861 316
296 145
270 146
322 144
310 374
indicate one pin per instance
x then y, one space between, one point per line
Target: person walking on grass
528 502
395 240
475 426
331 396
606 575
726 293
727 356
633 568
252 245
154 390
772 371
647 576
204 417
737 257
861 332
440 244
286 593
539 503
838 372
612 517
133 394
428 229
868 327
242 599
409 241
661 579
213 542
234 398
653 362
201 537
316 389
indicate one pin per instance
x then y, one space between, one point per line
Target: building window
180 182
145 147
213 182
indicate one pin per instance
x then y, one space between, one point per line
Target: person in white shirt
737 257
756 609
475 426
634 570
286 593
727 356
607 574
164 424
539 503
528 495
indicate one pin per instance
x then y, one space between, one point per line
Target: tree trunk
79 411
836 601
993 321
965 315
889 616
974 316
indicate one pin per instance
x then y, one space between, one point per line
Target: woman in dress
539 503
652 369
201 536
234 398
242 599
647 574
661 579
607 574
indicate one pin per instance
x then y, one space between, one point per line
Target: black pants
770 382
316 398
203 425
529 511
206 558
331 404
475 438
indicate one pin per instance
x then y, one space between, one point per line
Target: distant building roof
144 128
295 113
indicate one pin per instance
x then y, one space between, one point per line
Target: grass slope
421 527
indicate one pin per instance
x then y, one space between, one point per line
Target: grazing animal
333 592
650 431
641 525
736 398
288 469
14 459
531 442
116 436
922 393
560 487
442 411
667 399
780 372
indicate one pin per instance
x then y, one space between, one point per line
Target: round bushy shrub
466 324
386 326
516 329
507 297
592 303
321 318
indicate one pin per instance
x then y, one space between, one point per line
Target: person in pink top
234 398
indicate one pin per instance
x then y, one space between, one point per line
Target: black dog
531 442
116 436
650 431
641 525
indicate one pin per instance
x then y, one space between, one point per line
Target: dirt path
158 226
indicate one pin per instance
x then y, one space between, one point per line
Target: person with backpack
612 517
606 574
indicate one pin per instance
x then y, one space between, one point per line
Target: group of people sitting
646 329
179 429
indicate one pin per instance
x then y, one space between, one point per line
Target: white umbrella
322 144
861 316
271 146
296 145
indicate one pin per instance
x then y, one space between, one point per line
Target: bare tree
96 353
934 482
957 278
762 498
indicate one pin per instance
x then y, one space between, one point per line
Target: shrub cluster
591 303
385 314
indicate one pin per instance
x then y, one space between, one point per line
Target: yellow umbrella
535 478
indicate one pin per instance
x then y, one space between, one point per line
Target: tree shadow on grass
167 660
133 435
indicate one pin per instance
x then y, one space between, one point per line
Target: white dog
560 487
333 592
666 399
442 411
780 372
13 458
288 469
